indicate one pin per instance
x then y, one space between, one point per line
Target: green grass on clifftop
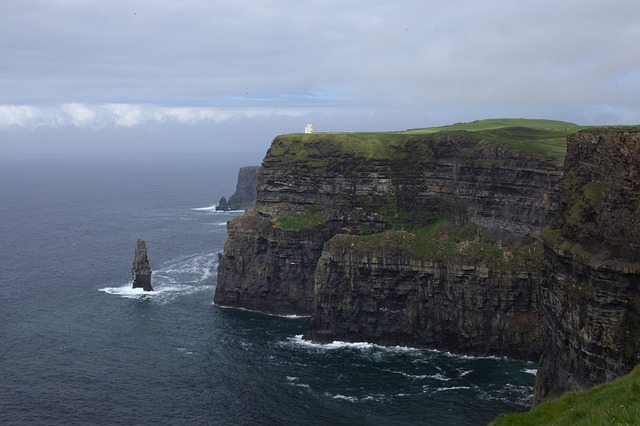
613 403
546 137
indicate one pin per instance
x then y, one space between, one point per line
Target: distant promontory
245 196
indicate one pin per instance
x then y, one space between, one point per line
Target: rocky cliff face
245 196
316 189
461 304
509 191
266 268
591 288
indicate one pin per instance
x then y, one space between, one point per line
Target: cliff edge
422 238
591 285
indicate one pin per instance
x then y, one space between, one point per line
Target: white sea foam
465 372
205 209
533 371
409 375
355 399
180 276
298 340
212 209
451 388
160 294
440 377
294 381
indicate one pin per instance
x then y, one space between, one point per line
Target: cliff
344 225
245 195
460 295
591 285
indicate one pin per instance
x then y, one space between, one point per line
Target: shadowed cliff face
244 197
591 288
510 192
313 189
458 304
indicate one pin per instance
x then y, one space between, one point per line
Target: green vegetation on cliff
297 222
444 241
545 137
613 403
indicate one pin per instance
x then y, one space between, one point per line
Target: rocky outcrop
591 287
314 189
511 192
462 304
141 271
245 196
266 268
223 205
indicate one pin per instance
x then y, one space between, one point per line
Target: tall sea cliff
480 240
428 240
591 286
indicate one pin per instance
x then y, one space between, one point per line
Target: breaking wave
180 276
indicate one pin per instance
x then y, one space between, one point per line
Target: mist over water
80 346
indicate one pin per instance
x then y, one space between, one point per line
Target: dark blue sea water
78 346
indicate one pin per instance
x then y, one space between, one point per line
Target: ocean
79 346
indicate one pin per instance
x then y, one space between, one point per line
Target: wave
533 371
181 276
451 388
298 340
355 399
162 294
294 381
509 393
205 209
212 209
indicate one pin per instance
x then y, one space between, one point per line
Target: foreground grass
613 403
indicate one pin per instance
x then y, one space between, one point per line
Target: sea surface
79 346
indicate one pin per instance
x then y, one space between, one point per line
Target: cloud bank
102 116
355 64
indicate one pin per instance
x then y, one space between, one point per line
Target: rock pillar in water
141 271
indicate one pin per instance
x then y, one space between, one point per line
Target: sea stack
141 271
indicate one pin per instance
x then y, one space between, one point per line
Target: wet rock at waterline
141 271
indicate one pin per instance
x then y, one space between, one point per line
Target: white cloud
100 116
89 64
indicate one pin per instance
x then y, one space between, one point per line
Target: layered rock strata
314 188
459 304
591 288
141 270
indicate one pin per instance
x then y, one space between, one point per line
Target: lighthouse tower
308 128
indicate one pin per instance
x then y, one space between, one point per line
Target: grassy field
613 403
546 137
499 123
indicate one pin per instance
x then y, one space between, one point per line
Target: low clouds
126 115
96 64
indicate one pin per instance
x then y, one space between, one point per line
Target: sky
229 75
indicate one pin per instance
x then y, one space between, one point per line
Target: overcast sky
168 75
